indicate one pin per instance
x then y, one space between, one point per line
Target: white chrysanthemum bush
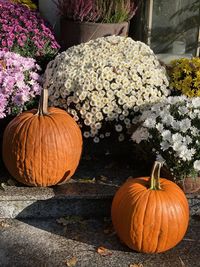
104 83
172 129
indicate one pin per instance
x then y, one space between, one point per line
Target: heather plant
106 11
24 32
20 82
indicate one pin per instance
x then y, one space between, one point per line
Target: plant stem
155 176
43 103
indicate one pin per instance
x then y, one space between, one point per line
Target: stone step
75 198
82 199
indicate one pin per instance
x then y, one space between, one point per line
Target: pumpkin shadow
97 231
87 220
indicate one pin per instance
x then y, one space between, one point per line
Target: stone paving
74 242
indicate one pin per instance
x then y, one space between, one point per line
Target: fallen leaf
70 220
104 251
103 178
87 180
136 265
3 186
71 262
182 263
4 224
189 239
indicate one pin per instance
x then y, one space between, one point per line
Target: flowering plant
104 82
184 76
172 129
27 3
108 11
19 82
23 31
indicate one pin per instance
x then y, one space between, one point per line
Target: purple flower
25 32
20 82
3 42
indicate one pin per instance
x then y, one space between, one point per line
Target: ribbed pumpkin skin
42 150
150 221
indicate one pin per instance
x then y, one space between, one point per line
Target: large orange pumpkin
150 215
42 147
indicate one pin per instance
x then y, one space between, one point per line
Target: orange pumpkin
42 147
150 215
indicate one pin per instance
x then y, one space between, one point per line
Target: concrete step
45 243
82 199
74 198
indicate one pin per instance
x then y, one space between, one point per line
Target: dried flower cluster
24 32
19 82
105 82
172 129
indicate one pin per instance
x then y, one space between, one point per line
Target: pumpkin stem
155 176
43 103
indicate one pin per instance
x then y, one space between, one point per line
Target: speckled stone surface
45 243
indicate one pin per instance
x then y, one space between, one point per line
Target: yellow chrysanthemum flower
184 76
27 3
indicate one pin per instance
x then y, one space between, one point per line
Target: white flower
166 135
194 131
176 133
113 74
196 165
96 139
86 134
164 145
183 110
177 138
140 135
118 128
150 122
160 158
185 125
121 137
185 153
175 125
196 102
160 127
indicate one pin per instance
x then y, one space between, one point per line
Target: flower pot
74 33
49 11
190 185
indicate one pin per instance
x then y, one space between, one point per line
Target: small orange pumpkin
150 215
42 147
